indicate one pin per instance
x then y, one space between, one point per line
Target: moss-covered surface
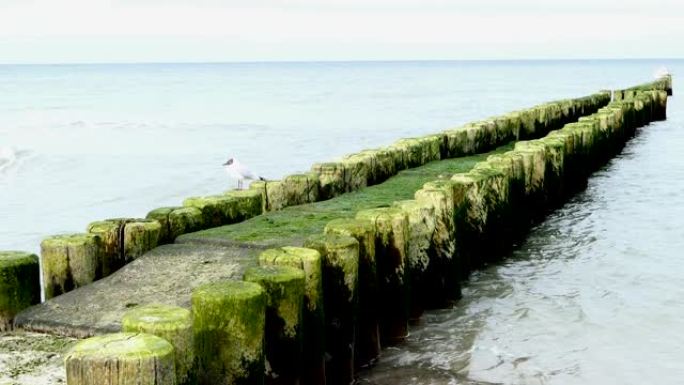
125 239
391 249
368 337
229 322
70 261
119 359
284 288
19 284
171 323
310 261
340 282
32 358
292 225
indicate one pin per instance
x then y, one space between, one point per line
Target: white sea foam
8 157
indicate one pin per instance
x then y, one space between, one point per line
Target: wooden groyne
337 261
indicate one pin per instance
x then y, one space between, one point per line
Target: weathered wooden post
284 287
228 321
172 323
70 261
391 249
121 359
368 330
19 285
340 284
309 260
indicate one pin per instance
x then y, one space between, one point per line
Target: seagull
237 170
661 72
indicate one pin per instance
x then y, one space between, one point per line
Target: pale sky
64 31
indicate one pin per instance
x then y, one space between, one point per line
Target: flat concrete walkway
165 275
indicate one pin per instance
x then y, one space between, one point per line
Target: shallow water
593 296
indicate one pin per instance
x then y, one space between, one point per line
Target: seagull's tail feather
262 178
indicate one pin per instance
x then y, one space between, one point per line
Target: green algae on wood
172 323
293 190
70 261
121 359
19 285
229 318
176 221
391 240
161 215
125 239
309 260
217 210
249 203
340 284
421 226
139 237
440 283
184 220
284 287
368 332
332 179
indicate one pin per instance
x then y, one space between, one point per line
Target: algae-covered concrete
165 275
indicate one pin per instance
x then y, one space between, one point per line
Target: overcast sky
58 31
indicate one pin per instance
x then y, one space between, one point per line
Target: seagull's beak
225 164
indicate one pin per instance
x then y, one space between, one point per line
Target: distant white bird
237 170
661 72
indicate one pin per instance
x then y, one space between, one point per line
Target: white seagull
237 170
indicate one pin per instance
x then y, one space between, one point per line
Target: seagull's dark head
228 162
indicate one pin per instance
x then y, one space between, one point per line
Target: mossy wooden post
229 318
217 210
70 261
368 330
284 287
332 177
184 220
121 359
446 267
422 224
172 323
161 215
125 239
309 261
391 249
340 284
19 285
248 203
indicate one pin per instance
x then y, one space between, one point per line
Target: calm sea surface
594 296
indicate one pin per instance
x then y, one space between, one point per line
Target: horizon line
331 61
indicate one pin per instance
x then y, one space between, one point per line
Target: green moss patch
293 224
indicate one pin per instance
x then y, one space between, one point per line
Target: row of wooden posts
314 314
326 309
